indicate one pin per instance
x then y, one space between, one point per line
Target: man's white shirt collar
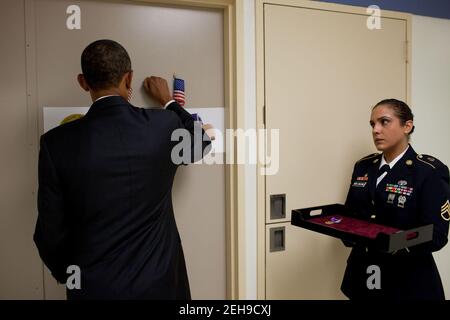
111 95
114 95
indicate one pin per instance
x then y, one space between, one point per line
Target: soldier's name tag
365 178
359 184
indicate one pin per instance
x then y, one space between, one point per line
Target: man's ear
82 82
128 77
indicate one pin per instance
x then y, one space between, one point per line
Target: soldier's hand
158 89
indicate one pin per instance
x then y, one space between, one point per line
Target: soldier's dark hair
104 63
401 110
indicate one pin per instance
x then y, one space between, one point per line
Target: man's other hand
158 89
209 130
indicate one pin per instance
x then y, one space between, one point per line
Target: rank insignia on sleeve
445 211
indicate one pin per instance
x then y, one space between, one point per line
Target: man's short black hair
104 63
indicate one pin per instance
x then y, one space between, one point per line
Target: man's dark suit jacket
105 202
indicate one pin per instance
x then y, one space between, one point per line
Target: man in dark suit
105 184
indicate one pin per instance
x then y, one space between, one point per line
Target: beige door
323 72
161 41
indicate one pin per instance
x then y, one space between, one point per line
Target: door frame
234 118
260 104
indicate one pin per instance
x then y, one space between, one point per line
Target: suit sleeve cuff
168 103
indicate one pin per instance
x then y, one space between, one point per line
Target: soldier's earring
130 94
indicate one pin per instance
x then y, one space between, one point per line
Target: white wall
431 101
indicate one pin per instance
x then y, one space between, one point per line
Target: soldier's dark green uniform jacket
414 193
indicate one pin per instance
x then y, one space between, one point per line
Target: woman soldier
404 190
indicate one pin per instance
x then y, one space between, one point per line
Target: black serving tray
335 221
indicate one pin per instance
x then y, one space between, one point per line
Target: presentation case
335 221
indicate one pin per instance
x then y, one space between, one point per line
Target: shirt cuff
168 103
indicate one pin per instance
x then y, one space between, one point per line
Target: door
160 41
323 72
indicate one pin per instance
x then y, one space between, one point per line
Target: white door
324 70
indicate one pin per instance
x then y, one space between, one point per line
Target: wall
432 8
431 101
